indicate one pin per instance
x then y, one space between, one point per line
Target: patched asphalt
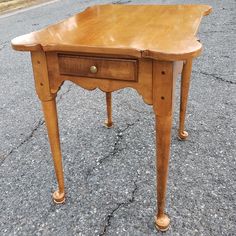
110 173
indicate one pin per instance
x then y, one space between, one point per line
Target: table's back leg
108 121
185 83
51 120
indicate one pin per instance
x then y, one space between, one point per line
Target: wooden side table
111 47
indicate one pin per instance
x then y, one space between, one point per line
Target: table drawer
96 67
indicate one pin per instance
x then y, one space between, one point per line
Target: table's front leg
51 120
163 99
48 100
163 139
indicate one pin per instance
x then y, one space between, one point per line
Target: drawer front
95 67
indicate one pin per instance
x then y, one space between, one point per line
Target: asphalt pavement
110 173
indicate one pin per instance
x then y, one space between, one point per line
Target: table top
165 32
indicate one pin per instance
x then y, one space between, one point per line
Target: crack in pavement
3 45
27 138
38 125
117 207
115 150
215 76
67 91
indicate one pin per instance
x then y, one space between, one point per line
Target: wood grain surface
165 32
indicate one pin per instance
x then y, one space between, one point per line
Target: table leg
185 83
108 121
163 139
164 77
50 114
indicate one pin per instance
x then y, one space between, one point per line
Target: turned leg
163 139
108 121
50 114
185 82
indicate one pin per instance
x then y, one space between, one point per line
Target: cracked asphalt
110 173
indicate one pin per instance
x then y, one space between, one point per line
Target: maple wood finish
111 47
50 114
185 82
108 121
107 68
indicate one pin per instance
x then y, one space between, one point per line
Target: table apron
137 73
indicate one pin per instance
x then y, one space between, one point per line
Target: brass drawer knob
93 69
